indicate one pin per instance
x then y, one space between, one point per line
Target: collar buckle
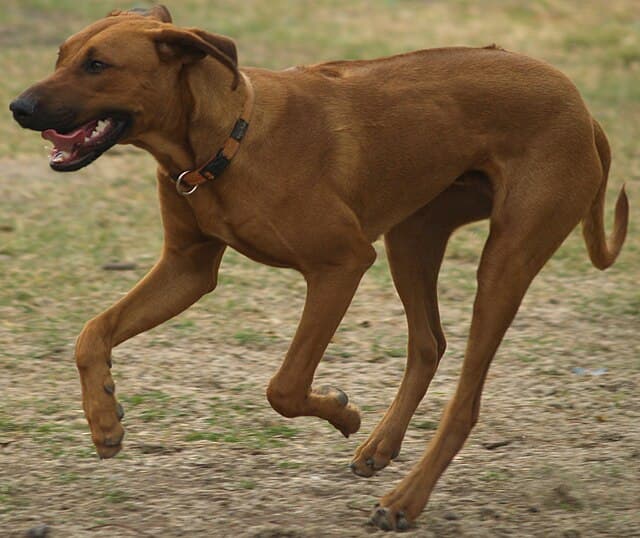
179 185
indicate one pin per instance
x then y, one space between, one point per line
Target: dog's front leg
179 279
329 292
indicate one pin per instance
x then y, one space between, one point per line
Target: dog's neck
196 128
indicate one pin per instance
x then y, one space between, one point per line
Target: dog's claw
113 442
402 524
379 519
342 397
109 363
119 411
356 471
338 394
384 519
109 444
109 387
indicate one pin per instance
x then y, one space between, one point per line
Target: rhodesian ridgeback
305 168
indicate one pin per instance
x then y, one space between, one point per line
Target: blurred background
556 452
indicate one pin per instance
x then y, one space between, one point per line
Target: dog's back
415 122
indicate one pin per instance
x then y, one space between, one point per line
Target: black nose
23 109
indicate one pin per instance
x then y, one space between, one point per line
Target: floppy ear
193 44
158 12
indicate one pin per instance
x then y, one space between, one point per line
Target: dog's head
111 83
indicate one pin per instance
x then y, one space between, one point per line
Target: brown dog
320 161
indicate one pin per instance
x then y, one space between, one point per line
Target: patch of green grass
203 436
54 450
68 477
494 475
396 352
48 428
381 348
8 425
153 415
86 452
253 338
11 498
50 408
7 492
116 496
605 37
212 436
526 358
271 436
182 324
154 404
233 423
229 432
426 425
344 353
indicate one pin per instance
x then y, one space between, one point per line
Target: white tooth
60 156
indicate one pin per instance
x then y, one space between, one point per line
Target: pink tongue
66 142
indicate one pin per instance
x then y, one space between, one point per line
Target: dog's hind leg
529 221
415 249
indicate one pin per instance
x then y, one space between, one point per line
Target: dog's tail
602 251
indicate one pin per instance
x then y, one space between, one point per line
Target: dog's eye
95 66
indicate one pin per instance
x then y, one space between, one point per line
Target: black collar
188 181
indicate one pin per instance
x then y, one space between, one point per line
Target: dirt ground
556 452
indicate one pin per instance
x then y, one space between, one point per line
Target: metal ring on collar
179 188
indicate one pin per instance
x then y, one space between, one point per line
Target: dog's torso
367 143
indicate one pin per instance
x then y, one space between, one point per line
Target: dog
305 168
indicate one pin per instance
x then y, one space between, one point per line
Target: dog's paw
399 508
107 433
108 444
348 420
374 454
342 415
104 414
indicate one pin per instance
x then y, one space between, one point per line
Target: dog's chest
243 227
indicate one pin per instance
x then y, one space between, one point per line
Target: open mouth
76 149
